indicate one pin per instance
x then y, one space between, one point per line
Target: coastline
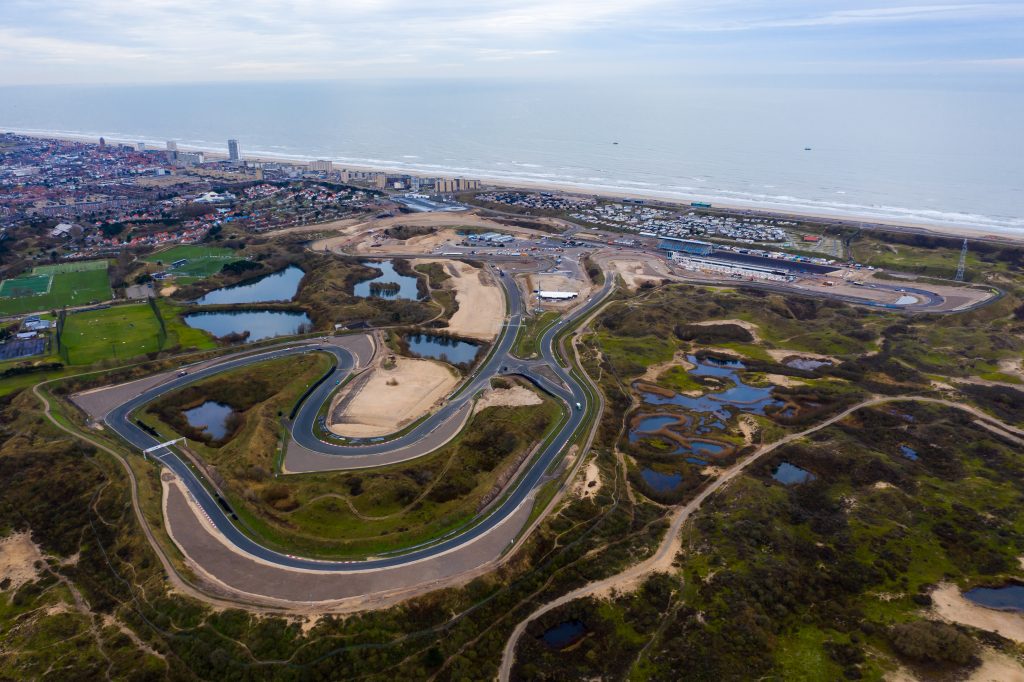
654 197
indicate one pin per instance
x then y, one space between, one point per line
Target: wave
524 173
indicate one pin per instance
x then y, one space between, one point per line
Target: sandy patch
590 483
168 290
557 283
18 556
636 272
749 326
882 485
784 381
481 304
652 373
950 605
780 354
997 667
1013 367
517 396
748 427
392 398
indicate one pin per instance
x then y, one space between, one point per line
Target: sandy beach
653 197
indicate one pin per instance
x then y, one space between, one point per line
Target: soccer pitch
119 333
203 261
26 285
79 266
54 286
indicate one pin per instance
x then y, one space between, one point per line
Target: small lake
650 425
211 417
442 348
740 396
807 363
407 285
908 452
564 634
662 483
790 474
277 286
1006 598
261 324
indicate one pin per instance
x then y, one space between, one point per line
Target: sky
165 41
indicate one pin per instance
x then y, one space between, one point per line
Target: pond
807 363
278 286
790 474
659 482
909 452
261 324
564 634
211 417
650 425
739 397
403 286
1007 598
442 348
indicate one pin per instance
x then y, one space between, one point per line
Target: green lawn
119 333
67 289
203 261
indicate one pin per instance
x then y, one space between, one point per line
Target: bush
932 642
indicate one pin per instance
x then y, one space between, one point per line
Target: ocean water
943 158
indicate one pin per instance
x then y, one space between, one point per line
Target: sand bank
389 399
951 605
481 304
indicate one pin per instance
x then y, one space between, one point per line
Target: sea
938 158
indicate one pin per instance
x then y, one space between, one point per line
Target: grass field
203 261
78 266
67 288
26 285
120 333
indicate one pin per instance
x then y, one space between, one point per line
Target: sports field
118 333
202 261
55 286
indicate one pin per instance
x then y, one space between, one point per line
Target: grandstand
690 246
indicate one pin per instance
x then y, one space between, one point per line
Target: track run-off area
243 571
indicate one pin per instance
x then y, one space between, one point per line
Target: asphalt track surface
500 361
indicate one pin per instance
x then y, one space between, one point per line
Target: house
65 231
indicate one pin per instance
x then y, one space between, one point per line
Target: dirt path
661 560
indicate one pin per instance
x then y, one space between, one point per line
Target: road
421 440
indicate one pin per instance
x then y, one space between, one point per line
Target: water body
211 417
261 324
564 634
442 348
740 397
659 482
807 363
650 425
790 474
908 452
725 142
277 286
407 285
1008 597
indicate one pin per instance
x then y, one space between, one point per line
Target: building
557 295
234 155
172 146
321 165
691 246
140 146
452 185
189 158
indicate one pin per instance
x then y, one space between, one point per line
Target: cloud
53 41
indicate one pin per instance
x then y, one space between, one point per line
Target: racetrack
245 565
